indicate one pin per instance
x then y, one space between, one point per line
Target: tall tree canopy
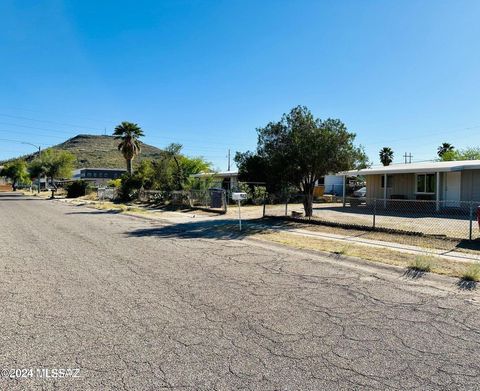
53 164
386 156
170 172
445 148
470 153
17 172
299 149
255 168
128 133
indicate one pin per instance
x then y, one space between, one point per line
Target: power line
35 127
30 134
42 112
424 135
49 121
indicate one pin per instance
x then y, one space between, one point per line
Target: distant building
4 185
98 175
227 180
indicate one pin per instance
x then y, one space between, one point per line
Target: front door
452 182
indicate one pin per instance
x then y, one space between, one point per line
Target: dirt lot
453 226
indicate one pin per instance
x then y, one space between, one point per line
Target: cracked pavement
137 306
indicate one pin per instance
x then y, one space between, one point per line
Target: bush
255 194
472 273
259 194
116 183
130 185
421 264
78 189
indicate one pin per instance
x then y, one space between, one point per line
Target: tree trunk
308 200
179 174
129 166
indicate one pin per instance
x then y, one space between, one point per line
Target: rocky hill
100 151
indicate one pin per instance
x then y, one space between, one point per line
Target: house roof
223 174
103 169
425 167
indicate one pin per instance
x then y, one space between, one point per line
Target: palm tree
444 148
386 156
129 133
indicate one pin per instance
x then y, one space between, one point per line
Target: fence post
374 212
225 200
471 220
264 204
286 207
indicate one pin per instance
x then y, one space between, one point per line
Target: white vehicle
362 192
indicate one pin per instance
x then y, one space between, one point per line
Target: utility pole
409 157
38 179
228 160
39 155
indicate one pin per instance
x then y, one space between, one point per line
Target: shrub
259 194
245 188
472 273
114 183
78 189
421 264
129 187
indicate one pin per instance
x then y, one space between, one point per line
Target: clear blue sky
404 74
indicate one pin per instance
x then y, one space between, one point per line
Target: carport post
225 201
344 191
437 196
470 236
385 191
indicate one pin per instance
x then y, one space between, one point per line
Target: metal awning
413 168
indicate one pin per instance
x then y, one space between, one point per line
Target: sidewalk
450 255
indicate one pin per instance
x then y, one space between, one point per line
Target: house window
426 183
389 181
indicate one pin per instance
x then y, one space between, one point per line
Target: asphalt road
138 306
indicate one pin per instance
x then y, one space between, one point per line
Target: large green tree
257 169
171 172
17 172
174 170
129 134
386 156
301 149
53 164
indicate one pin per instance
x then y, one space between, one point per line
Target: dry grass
421 264
92 196
427 242
108 205
472 273
381 255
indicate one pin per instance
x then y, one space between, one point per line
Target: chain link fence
107 193
214 200
450 219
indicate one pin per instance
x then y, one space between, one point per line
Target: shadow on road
413 273
467 285
218 229
18 197
95 212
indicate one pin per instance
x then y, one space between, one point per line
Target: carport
452 182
